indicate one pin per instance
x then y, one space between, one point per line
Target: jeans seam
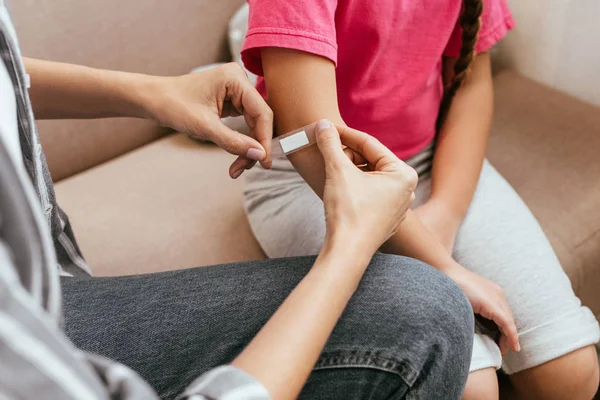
349 359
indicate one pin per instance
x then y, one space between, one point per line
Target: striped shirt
37 243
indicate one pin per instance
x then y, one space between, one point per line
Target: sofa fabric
546 144
168 205
154 36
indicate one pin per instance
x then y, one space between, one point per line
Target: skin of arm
61 91
298 101
460 151
193 104
291 342
461 145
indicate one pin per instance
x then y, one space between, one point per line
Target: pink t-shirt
388 56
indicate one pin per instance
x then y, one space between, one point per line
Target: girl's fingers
369 148
356 158
504 345
504 319
239 166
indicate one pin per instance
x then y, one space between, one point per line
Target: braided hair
470 23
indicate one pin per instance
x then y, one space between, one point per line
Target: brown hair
470 24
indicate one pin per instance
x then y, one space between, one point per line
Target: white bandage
293 141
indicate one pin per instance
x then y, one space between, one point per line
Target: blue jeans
406 334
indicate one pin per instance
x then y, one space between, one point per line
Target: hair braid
470 23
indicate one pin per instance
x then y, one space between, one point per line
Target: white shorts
499 239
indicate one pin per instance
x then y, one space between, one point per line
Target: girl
406 71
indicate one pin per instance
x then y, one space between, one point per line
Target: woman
270 321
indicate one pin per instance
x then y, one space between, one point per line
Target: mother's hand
363 207
195 103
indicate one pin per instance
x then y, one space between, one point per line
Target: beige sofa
143 200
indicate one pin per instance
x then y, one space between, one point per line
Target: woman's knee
573 376
402 303
405 286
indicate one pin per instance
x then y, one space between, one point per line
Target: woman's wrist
139 94
347 249
345 264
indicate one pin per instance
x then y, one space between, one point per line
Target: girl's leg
286 216
482 385
406 333
501 240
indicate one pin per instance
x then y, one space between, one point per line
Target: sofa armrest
547 145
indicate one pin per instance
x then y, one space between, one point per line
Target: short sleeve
496 21
307 25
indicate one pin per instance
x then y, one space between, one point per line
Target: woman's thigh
406 333
501 240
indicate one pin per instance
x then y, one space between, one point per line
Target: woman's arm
283 353
193 104
60 91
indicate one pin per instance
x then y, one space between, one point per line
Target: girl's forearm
414 240
283 353
462 142
69 91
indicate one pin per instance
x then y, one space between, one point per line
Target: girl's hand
487 300
363 208
195 103
440 220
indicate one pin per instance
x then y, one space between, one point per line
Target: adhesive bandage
293 141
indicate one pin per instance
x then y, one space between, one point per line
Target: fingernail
237 173
322 125
255 154
518 347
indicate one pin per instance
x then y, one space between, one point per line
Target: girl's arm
458 158
461 145
301 89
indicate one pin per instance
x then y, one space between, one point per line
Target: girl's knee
482 385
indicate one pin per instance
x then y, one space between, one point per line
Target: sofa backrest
152 36
556 43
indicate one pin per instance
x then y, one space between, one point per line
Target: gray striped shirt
36 244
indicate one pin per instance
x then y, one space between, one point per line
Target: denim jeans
406 334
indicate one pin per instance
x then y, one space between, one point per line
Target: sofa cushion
547 146
171 205
168 205
154 37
